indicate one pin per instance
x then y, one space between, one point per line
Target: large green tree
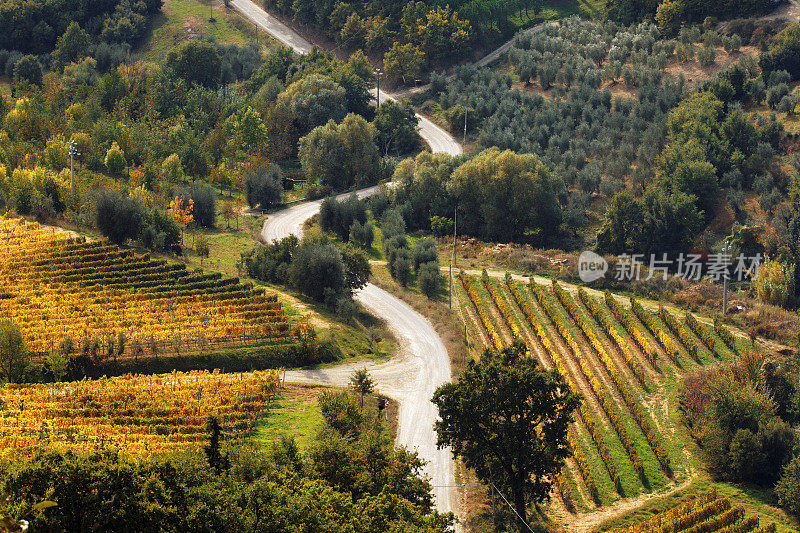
341 155
507 419
502 195
314 100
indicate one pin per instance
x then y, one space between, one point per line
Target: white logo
591 266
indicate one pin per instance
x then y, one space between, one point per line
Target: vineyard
705 513
71 294
138 414
617 356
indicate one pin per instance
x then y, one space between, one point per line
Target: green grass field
296 414
182 20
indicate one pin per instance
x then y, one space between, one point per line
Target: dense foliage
688 11
353 481
741 415
39 26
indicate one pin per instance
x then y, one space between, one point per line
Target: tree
119 218
314 100
343 155
202 248
502 195
28 69
111 89
115 159
13 354
74 44
203 199
788 488
507 419
362 383
263 186
429 279
668 17
403 61
353 32
318 271
180 209
216 460
396 124
171 168
197 62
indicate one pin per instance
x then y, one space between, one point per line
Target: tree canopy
507 418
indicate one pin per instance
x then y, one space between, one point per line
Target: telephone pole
453 260
73 153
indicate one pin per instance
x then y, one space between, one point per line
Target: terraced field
618 355
92 297
705 513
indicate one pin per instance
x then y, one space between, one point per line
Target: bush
441 226
318 271
271 262
425 251
429 279
362 234
401 267
264 186
118 217
204 204
338 216
788 488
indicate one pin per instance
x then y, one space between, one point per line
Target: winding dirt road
422 364
409 378
438 139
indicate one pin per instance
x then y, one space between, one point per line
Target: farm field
71 294
136 414
706 512
622 358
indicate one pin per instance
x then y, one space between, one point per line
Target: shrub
264 186
362 234
118 217
425 251
429 279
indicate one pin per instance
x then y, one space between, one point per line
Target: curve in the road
423 364
410 378
438 139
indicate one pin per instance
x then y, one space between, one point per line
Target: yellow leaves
486 321
139 415
181 209
56 294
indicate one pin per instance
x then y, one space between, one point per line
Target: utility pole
211 11
73 153
466 110
378 74
453 260
726 251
